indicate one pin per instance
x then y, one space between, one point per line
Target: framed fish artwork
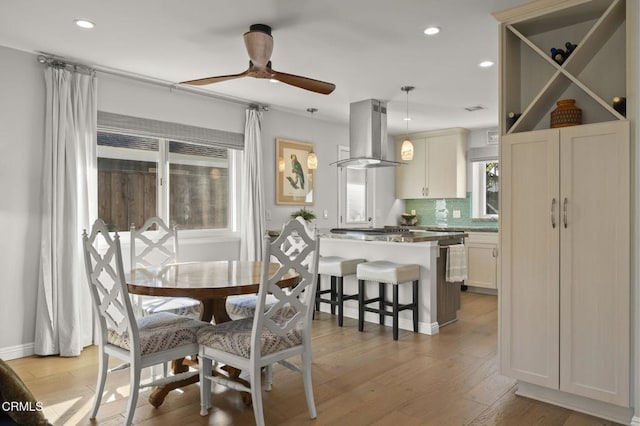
294 178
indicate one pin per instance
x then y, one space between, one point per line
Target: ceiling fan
259 44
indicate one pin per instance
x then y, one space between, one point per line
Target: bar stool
337 268
384 272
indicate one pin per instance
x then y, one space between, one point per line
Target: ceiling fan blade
210 80
304 82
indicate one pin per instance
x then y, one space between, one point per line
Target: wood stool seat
337 268
384 272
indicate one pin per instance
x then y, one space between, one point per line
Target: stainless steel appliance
368 138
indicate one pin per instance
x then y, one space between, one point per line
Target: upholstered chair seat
235 336
244 306
159 332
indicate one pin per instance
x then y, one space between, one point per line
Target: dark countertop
470 228
407 237
464 229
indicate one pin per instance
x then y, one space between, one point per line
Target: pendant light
406 150
312 158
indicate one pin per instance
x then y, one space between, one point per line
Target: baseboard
635 421
403 323
577 403
482 290
18 351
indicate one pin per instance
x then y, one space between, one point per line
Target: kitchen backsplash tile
439 212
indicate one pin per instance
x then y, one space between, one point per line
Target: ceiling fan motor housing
261 28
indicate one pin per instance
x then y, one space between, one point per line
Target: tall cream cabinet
438 168
565 293
565 290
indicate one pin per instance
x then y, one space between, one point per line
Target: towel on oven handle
456 263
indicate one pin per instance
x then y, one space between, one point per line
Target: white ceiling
367 48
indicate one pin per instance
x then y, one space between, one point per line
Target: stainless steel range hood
367 136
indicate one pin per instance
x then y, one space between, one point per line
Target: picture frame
493 137
294 181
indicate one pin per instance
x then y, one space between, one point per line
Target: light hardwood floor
359 379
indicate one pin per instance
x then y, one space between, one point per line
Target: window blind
483 154
111 122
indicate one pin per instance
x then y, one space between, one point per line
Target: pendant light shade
312 161
406 150
312 158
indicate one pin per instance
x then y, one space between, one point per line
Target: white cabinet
564 203
564 239
438 168
482 259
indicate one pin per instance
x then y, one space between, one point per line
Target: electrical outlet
456 214
325 214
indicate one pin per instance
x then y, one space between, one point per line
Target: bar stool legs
336 268
415 310
381 292
387 273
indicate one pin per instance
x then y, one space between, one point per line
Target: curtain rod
54 61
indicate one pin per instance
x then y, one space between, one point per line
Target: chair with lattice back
155 245
143 342
273 335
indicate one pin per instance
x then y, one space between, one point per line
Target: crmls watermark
9 406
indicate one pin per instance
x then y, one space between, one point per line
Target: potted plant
305 214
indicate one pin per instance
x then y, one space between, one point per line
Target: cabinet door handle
494 252
564 211
427 191
553 213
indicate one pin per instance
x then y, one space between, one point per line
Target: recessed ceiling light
431 30
83 23
485 64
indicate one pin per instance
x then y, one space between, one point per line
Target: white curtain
64 320
252 221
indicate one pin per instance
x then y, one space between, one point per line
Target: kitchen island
423 248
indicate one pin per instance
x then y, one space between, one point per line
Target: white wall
387 208
140 99
22 123
326 137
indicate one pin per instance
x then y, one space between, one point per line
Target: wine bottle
620 105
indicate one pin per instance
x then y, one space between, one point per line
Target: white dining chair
273 335
155 245
142 342
244 306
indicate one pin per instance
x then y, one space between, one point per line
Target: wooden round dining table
210 283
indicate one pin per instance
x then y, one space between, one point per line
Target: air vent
475 108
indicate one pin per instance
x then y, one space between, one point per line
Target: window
356 195
184 183
486 189
198 186
353 199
